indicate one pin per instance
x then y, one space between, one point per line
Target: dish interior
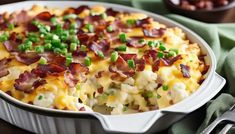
92 58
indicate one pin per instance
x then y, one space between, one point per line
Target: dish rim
73 114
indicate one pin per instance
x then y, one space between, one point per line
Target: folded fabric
221 38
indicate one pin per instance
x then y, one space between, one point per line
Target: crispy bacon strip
102 46
134 42
185 70
20 18
44 16
143 22
111 12
43 70
28 82
27 58
121 68
154 33
3 67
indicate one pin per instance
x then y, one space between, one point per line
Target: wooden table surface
10 129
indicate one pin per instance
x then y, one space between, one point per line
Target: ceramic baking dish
43 120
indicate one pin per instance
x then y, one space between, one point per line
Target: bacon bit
99 74
201 81
134 42
28 82
69 11
154 33
156 65
86 39
143 22
185 70
102 46
44 16
202 57
140 64
27 58
165 62
205 70
13 37
80 9
77 68
150 56
43 70
69 79
67 24
100 90
11 46
121 68
54 58
20 18
3 67
82 109
170 61
92 19
128 56
32 28
9 93
111 12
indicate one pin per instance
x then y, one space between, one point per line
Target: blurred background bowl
214 15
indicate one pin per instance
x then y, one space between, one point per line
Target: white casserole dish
43 120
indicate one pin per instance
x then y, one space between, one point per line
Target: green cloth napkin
221 38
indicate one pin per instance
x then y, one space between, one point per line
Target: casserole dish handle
132 123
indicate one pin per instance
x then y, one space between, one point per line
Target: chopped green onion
120 48
141 41
39 49
68 61
114 56
64 51
4 37
175 50
56 43
33 37
171 54
43 61
78 86
131 63
48 46
21 47
87 61
70 16
151 44
74 39
130 22
100 54
11 26
109 28
68 55
53 21
73 31
83 48
104 16
73 26
40 97
160 54
123 37
73 47
90 28
165 87
28 45
57 50
162 47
